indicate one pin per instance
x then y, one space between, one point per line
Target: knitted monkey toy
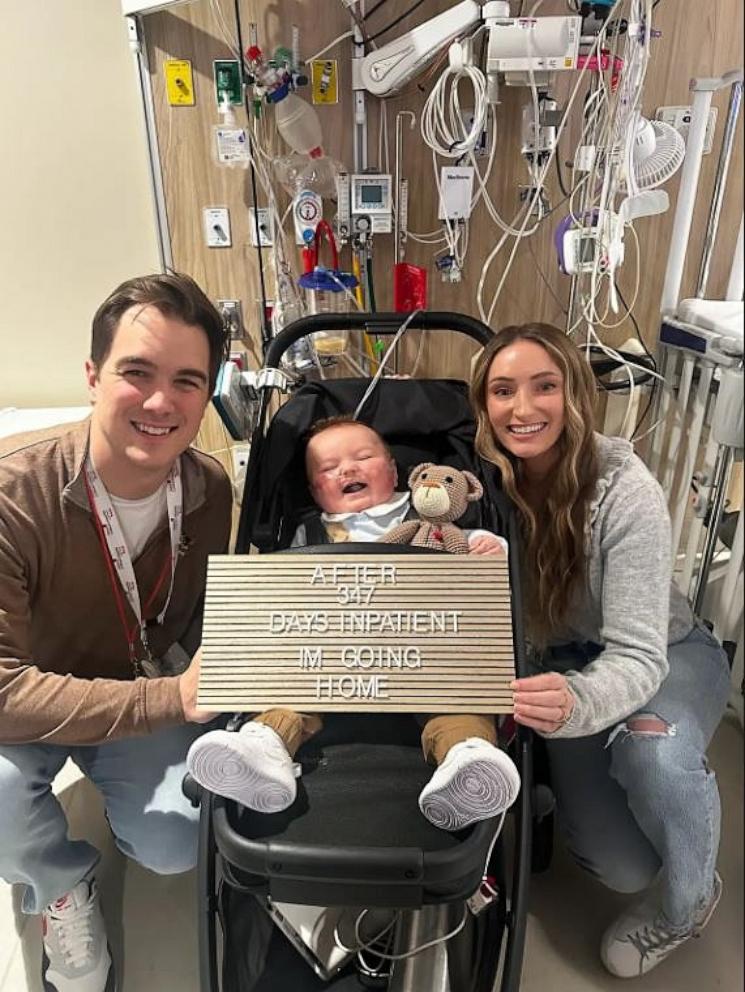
439 494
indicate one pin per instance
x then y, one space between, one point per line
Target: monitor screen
371 195
587 248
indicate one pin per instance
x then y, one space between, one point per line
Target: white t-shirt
139 518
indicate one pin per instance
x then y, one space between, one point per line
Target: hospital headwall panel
697 39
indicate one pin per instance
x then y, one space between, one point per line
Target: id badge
173 662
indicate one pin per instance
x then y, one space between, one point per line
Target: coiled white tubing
441 122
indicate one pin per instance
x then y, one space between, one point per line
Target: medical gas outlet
307 211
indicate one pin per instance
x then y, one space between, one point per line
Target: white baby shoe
475 782
251 766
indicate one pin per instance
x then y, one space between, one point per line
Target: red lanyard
129 634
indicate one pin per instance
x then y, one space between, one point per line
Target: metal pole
266 333
735 282
698 411
697 524
730 604
661 408
738 682
724 460
397 166
725 156
359 108
429 968
686 199
676 430
137 44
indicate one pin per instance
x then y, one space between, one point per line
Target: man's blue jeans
639 800
140 781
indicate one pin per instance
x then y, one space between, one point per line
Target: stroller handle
375 323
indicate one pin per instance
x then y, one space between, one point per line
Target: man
105 529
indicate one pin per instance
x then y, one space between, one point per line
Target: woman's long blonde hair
555 534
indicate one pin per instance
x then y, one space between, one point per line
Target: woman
631 685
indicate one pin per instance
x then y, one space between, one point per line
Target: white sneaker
76 955
474 782
250 765
641 939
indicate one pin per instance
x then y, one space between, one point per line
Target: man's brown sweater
65 672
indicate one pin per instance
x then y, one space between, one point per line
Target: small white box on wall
130 7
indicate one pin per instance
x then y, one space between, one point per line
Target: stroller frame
400 876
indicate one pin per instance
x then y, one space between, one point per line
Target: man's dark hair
174 295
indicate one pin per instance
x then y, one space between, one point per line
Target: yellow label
179 82
325 80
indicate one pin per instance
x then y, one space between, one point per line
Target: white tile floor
153 932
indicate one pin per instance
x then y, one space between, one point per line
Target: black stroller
354 837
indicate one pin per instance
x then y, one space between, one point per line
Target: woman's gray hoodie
629 605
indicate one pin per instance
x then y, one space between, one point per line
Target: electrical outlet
217 227
240 453
133 32
232 314
266 228
680 119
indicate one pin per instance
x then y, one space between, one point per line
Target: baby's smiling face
349 469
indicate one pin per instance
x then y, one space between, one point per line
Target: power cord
396 21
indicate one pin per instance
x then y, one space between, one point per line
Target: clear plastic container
330 300
298 124
298 172
328 290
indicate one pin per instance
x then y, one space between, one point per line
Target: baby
352 478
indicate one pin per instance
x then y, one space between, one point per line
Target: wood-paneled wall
698 39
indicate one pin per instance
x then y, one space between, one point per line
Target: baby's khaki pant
439 733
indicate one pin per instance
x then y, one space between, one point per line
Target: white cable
531 201
364 946
280 255
612 155
344 288
355 366
494 839
442 128
637 285
541 178
483 192
327 48
381 367
440 239
224 30
420 351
